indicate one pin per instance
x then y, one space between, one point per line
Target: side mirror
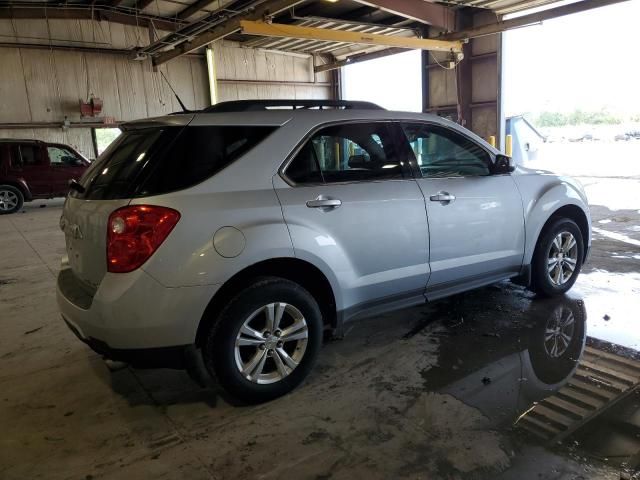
503 164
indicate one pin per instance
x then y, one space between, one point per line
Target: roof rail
256 105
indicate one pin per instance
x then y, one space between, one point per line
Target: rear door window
159 160
29 155
348 153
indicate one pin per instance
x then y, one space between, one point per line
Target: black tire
220 346
541 282
16 196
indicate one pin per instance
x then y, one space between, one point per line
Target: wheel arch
575 213
20 185
299 271
539 220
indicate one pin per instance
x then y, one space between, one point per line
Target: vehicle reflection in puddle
538 370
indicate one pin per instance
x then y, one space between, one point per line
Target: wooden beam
530 19
248 27
270 7
426 12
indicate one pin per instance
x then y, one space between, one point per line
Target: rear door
353 207
476 218
30 162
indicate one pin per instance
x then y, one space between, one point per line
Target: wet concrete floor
494 383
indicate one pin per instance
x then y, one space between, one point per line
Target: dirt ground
429 392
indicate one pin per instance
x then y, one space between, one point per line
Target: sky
588 60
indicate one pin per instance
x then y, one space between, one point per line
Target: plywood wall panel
158 95
199 75
71 74
442 87
42 85
131 90
273 69
13 89
484 81
179 74
103 82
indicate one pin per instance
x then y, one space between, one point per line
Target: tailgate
84 223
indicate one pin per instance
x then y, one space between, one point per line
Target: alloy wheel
8 200
562 258
271 343
559 332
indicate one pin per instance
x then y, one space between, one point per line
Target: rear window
160 160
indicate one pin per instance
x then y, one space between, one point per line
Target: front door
476 219
353 209
65 165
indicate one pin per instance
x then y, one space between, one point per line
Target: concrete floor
429 392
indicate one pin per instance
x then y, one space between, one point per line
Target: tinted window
344 153
200 152
441 152
159 160
29 155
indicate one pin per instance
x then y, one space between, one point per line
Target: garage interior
444 390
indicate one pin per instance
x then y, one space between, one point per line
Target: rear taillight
134 233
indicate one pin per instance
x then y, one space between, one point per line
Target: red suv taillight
134 233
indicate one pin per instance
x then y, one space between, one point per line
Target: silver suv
233 238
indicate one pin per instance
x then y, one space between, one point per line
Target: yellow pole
508 145
492 141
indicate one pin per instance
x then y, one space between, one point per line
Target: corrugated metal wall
244 73
39 85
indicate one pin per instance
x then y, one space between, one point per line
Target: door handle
321 202
442 197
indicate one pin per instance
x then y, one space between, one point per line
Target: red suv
31 169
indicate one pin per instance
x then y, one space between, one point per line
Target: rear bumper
163 357
131 312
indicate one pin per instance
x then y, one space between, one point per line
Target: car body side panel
480 233
189 255
376 242
543 194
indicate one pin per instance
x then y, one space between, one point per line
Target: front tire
557 259
265 341
11 199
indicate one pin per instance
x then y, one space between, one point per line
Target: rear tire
11 199
265 341
557 259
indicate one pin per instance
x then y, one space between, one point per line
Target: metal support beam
424 73
193 8
363 57
425 12
464 76
142 4
270 7
84 13
530 19
343 36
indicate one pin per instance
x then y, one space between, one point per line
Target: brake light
134 233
